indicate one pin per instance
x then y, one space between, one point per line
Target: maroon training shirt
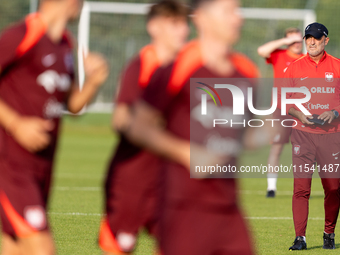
169 92
36 76
135 78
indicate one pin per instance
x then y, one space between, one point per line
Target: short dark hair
168 8
197 3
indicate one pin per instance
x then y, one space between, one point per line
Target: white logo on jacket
52 81
321 90
329 76
311 106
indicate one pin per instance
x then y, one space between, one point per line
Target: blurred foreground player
313 143
280 59
36 81
133 176
198 216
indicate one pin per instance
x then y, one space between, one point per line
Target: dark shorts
192 232
23 198
132 196
309 148
282 134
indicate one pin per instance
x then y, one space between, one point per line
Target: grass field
76 203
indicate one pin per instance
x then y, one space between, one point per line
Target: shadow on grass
337 245
314 247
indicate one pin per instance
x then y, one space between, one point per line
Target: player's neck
165 54
317 58
215 54
55 21
292 53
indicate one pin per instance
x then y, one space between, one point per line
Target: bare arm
121 117
30 132
96 72
146 131
266 49
299 115
8 116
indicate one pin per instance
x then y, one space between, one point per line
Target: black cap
316 30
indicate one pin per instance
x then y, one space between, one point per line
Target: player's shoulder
334 59
190 54
35 30
142 66
149 62
295 67
298 61
132 67
144 55
278 53
18 28
25 33
148 52
133 62
188 60
245 65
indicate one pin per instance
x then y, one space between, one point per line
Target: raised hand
293 39
96 69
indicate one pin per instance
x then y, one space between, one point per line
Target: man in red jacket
313 143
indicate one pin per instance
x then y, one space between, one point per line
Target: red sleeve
273 57
10 39
129 89
157 93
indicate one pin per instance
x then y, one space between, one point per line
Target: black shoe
328 241
299 244
271 193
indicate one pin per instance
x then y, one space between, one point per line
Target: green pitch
76 204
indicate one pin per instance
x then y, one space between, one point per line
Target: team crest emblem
329 77
35 216
297 149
